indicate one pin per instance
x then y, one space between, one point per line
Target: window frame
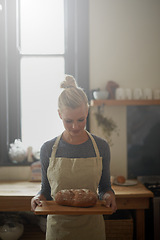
76 64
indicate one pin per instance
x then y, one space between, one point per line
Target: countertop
16 196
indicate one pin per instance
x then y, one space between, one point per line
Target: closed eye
81 120
68 121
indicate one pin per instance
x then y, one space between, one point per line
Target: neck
83 137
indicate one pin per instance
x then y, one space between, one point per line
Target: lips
75 131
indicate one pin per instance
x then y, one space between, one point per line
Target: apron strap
54 148
94 145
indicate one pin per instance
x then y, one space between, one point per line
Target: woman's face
74 120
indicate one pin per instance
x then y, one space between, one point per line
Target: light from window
41 30
42 26
40 88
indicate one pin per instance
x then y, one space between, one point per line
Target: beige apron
67 173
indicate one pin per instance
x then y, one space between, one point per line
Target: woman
75 159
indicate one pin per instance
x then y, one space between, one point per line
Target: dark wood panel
32 232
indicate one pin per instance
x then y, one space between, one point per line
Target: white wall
125 42
125 48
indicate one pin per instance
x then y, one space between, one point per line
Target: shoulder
104 150
99 140
46 148
102 144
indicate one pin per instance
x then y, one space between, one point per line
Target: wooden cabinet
32 232
16 197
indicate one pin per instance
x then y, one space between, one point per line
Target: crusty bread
121 179
76 197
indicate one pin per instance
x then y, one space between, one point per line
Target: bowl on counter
100 95
11 227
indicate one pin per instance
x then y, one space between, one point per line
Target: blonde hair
72 96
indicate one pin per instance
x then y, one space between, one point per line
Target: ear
87 112
60 115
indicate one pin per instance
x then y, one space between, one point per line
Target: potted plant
107 125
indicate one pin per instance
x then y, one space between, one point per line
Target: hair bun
68 82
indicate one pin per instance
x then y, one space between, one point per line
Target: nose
74 125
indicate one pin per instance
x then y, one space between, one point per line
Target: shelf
124 102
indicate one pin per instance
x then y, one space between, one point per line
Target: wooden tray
50 207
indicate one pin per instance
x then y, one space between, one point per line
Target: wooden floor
32 232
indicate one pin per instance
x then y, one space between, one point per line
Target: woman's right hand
36 201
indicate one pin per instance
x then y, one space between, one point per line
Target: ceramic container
100 94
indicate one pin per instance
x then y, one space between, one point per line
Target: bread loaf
121 179
76 197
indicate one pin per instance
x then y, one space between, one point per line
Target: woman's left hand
110 201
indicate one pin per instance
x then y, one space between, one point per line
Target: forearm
40 196
45 186
105 183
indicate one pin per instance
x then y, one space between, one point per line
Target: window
42 59
34 63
